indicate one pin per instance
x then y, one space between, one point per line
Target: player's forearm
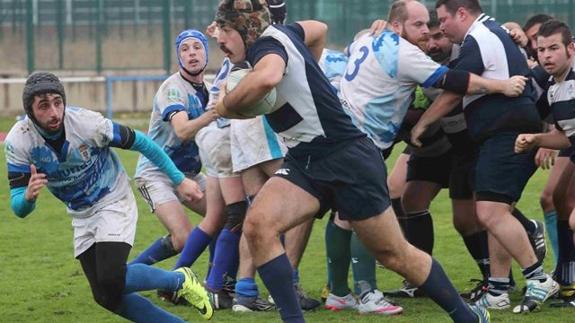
480 85
553 140
154 153
190 128
441 106
19 204
250 90
227 113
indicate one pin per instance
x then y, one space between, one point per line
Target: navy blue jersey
489 51
308 114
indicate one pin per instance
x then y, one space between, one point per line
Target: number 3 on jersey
364 51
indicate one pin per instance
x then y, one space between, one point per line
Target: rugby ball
264 106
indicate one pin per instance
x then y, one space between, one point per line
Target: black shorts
351 180
567 152
462 177
500 173
430 169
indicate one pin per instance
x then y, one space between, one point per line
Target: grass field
41 282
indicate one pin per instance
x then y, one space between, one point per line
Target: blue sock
277 276
212 250
139 309
438 287
196 243
140 277
159 250
247 287
551 228
295 277
226 255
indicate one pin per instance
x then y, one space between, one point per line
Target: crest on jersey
84 152
174 95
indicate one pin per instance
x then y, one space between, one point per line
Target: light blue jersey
333 64
380 78
84 172
174 95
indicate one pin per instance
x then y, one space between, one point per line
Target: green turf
41 282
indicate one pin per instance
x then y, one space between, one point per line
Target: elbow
269 82
184 135
323 28
19 212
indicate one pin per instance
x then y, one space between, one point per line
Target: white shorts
159 189
254 142
114 222
214 144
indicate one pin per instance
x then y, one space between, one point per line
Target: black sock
534 271
419 230
498 286
442 292
399 214
478 248
525 222
564 271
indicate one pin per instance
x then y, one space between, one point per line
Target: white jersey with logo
174 95
381 75
86 174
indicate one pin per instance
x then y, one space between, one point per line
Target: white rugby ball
264 106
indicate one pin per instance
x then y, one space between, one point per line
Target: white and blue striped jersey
381 76
308 114
561 97
333 63
86 173
488 50
174 95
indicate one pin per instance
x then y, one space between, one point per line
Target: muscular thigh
282 205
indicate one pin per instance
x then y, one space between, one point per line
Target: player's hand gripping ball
264 106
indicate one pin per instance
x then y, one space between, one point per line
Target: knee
412 201
256 228
178 241
459 225
487 216
235 215
466 225
110 289
572 222
546 201
395 259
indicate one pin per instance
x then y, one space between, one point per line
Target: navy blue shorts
567 152
462 176
352 180
430 169
500 173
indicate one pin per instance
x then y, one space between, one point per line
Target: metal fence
109 35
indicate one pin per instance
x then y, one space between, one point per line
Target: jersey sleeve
297 29
17 159
104 132
470 59
415 66
170 99
266 46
